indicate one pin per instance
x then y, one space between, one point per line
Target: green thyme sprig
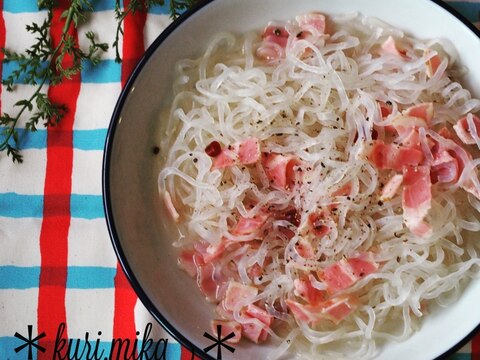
177 7
120 15
42 64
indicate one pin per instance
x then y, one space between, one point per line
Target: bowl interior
139 226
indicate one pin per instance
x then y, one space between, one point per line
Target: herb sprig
43 63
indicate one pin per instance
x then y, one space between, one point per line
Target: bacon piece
412 140
186 261
248 151
445 133
210 252
304 248
335 310
391 156
346 272
222 312
254 271
362 265
385 109
412 118
257 330
254 311
249 226
319 223
403 123
280 170
392 48
254 332
337 276
238 295
459 154
445 168
339 308
463 130
391 187
167 199
245 152
275 40
305 290
416 198
311 24
276 34
227 327
206 282
433 63
223 160
422 111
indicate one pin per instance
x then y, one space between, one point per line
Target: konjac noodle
323 177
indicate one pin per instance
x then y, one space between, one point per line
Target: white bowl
142 235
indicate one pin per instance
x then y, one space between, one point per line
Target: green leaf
25 103
64 14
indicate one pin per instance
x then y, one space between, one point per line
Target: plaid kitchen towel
59 277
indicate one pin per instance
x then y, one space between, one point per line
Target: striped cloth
59 277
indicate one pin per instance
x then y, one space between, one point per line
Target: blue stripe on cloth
20 6
86 206
78 277
82 139
160 9
8 344
102 5
16 277
459 356
15 205
471 10
89 139
106 71
8 69
30 140
90 277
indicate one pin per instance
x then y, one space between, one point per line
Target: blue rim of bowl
106 177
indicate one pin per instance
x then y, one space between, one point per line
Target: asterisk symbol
29 342
219 342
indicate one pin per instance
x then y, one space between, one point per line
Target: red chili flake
213 149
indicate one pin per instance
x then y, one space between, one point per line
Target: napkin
62 290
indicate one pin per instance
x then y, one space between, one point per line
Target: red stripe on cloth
133 41
56 208
3 36
187 355
125 297
476 347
